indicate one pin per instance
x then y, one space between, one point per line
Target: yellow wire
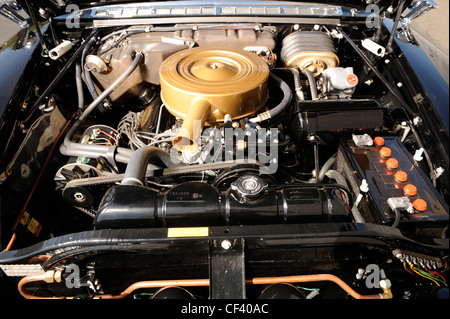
411 266
404 266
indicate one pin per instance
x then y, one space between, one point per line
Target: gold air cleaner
201 85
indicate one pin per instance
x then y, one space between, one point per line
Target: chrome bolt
225 244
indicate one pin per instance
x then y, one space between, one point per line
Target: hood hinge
417 9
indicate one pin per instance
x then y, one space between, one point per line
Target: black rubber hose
70 148
397 218
287 96
326 167
297 82
86 73
134 64
137 161
137 165
285 102
312 84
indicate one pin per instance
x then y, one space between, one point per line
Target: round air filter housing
201 85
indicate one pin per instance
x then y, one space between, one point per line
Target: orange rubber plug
410 190
378 141
385 152
392 163
401 177
420 205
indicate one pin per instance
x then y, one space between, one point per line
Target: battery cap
410 190
385 152
420 205
392 163
378 141
401 177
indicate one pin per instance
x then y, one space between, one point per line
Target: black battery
379 165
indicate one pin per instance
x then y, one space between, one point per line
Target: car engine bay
242 129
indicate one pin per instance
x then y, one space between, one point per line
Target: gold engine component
309 50
316 62
201 85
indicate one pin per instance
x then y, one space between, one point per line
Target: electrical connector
362 140
401 204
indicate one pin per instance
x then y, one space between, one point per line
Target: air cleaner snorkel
201 85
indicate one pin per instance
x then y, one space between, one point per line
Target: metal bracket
10 10
227 269
418 9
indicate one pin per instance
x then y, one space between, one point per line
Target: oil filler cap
248 186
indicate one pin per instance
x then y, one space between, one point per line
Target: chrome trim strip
220 19
202 9
205 8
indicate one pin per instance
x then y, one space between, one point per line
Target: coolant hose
297 82
134 64
326 167
137 165
312 84
70 148
79 85
86 73
285 102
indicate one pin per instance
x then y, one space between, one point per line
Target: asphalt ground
434 26
431 31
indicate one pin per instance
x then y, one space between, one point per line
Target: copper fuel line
55 276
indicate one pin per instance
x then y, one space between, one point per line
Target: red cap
392 163
401 176
378 141
420 205
385 152
410 190
352 80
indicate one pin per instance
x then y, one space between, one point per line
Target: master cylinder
339 81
